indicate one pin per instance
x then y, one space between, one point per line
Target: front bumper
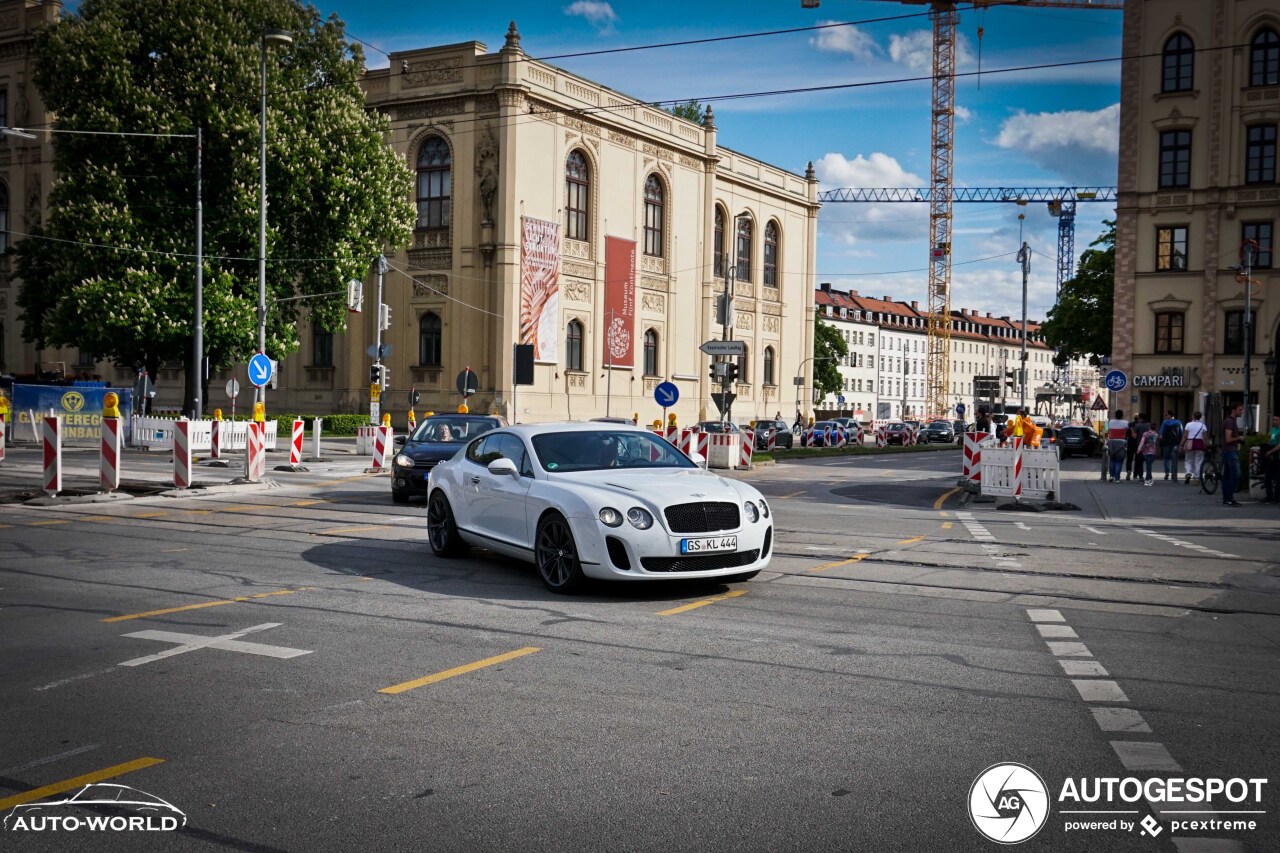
654 554
411 481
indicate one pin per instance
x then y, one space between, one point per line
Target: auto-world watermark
1009 803
100 807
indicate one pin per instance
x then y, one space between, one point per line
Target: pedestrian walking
1134 465
1271 462
1231 442
982 426
1195 438
1117 443
1170 439
1147 446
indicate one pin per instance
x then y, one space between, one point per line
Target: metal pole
377 359
1248 336
261 395
1024 258
608 347
199 331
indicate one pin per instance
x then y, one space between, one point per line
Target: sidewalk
1164 499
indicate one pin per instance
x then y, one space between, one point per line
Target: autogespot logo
1008 803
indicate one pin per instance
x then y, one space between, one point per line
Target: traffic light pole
1024 258
731 276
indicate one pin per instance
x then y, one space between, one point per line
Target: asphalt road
367 695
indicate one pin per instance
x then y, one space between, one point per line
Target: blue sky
1027 128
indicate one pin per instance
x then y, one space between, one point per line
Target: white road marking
1021 525
73 678
1191 546
1141 755
48 759
1120 720
1045 615
1083 668
1069 650
226 642
1095 530
1057 631
1099 690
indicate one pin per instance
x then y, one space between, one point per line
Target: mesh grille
699 563
703 517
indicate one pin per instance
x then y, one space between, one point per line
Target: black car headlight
640 518
764 508
753 514
404 461
610 517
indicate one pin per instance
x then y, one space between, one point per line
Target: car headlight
610 517
753 514
764 508
404 461
640 518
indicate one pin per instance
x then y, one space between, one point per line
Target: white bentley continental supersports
596 500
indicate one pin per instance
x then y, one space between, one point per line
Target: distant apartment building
1200 108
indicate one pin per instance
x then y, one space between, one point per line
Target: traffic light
1011 379
384 316
732 373
375 373
384 378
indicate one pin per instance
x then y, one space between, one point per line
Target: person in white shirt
1195 438
1117 444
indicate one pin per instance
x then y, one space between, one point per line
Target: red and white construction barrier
1017 467
51 440
772 439
971 467
3 426
295 446
109 466
255 455
215 440
673 435
701 443
382 442
882 435
182 454
746 448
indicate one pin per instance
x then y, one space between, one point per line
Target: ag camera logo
1008 803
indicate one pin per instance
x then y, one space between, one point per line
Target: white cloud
599 14
1081 146
847 39
914 50
963 114
848 224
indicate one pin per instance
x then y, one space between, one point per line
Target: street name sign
724 348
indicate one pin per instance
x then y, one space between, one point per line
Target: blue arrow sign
1116 380
259 370
666 394
840 399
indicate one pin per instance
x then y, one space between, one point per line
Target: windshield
592 451
451 430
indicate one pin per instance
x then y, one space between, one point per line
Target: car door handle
475 480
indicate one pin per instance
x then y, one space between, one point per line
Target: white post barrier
51 439
746 449
724 450
295 446
773 439
215 440
381 443
971 468
182 454
109 465
315 440
1017 467
882 436
255 457
3 427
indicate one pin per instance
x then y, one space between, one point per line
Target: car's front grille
700 562
703 517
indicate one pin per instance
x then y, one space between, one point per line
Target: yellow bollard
111 405
259 413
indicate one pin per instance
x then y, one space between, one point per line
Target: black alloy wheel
557 556
442 531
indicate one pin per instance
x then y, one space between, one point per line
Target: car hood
657 488
429 451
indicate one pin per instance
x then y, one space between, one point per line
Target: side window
476 451
508 446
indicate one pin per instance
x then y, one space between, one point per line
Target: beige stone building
1197 178
526 175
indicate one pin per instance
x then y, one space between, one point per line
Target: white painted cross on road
226 642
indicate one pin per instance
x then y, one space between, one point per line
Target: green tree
113 268
1079 325
690 110
828 349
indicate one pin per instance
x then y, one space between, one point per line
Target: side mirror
499 467
401 439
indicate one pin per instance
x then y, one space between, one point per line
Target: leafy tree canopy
1079 325
829 348
690 110
113 269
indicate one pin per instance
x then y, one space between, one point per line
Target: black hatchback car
1078 439
435 439
938 432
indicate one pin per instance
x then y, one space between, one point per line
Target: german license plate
709 545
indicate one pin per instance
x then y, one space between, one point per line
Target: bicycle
1210 472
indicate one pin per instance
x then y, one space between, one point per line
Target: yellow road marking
458 670
197 511
792 495
859 558
337 530
912 539
6 525
695 605
943 497
308 503
87 779
239 508
97 518
946 525
150 514
200 606
46 523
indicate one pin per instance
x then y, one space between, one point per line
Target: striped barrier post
972 465
673 435
882 436
295 446
773 439
1017 467
109 465
381 442
746 448
255 461
51 441
182 454
215 440
686 441
3 427
701 443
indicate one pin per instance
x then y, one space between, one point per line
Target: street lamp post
281 37
1269 367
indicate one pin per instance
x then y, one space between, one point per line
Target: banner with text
619 301
81 410
540 288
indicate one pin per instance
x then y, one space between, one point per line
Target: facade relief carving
430 285
651 283
744 320
487 104
621 138
577 248
431 109
744 288
648 263
654 303
773 294
432 72
584 127
587 271
577 291
432 239
577 380
9 20
487 170
771 323
430 259
658 151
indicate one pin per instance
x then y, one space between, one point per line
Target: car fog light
753 514
610 517
640 518
404 461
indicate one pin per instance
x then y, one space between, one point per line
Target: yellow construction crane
945 15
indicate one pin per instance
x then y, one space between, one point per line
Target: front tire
556 556
442 530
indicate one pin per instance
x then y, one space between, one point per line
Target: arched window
1179 60
768 366
429 340
577 197
744 248
743 361
435 183
651 353
771 239
654 205
1264 59
718 260
573 346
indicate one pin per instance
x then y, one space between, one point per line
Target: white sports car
599 500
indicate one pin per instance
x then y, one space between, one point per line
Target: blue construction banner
81 410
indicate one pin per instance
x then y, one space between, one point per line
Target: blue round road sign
840 399
1116 380
260 370
666 394
959 408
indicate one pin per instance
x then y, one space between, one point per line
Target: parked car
595 500
897 433
783 437
820 433
718 426
938 432
435 439
1078 439
852 428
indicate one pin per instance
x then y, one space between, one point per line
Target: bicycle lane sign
1117 380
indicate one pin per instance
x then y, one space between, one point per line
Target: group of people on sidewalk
1132 447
